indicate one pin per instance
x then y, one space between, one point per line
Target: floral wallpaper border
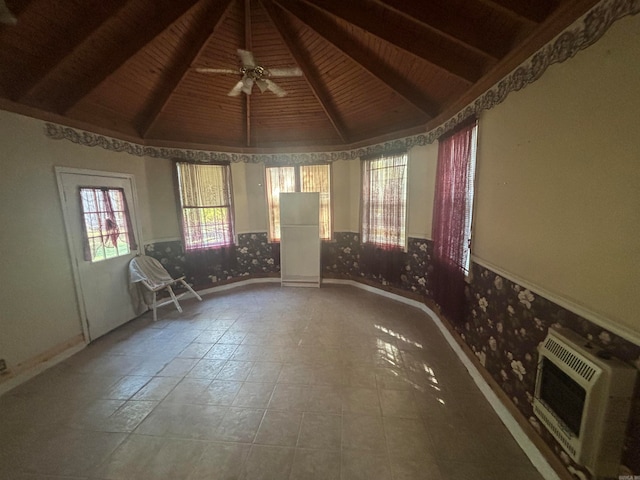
580 35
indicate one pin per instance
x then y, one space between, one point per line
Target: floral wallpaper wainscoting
505 322
170 254
256 255
253 255
342 258
418 269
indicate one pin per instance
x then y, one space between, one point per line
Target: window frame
366 160
471 202
124 226
181 208
298 188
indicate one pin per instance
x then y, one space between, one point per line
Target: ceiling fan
252 73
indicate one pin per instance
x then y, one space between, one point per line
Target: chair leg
173 297
188 287
154 306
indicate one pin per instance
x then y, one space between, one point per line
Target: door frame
60 172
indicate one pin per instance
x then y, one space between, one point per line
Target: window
106 225
452 215
384 200
453 207
299 178
205 198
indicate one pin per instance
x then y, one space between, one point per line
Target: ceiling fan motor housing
256 72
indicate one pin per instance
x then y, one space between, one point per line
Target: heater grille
559 434
571 360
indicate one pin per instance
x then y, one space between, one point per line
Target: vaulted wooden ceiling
372 69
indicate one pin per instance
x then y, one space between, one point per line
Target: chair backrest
149 272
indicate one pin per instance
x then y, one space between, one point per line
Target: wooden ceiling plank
347 44
160 14
532 11
451 23
83 26
559 19
192 44
409 35
311 74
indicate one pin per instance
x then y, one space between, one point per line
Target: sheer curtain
384 194
205 195
452 218
384 200
278 179
316 178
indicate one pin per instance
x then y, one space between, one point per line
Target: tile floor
261 382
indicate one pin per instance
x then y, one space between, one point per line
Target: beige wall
250 201
420 190
558 180
38 308
161 200
346 195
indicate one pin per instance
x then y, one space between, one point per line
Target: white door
103 291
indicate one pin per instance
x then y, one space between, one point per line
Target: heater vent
583 398
571 360
559 434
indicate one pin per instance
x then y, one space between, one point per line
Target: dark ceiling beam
451 23
194 40
324 26
412 37
535 11
248 45
310 72
80 27
104 60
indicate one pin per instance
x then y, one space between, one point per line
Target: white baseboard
242 283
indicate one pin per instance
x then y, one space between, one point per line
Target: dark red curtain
451 214
387 263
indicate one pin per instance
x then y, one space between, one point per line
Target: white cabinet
300 239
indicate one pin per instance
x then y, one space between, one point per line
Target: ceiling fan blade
262 85
247 58
217 70
279 91
247 85
285 72
237 89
